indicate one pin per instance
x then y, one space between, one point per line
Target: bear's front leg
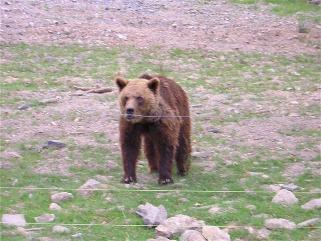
130 147
167 142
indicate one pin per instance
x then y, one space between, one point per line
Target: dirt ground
218 25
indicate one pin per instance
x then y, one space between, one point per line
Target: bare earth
218 26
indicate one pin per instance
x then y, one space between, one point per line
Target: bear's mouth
130 116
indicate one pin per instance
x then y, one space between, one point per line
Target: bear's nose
129 111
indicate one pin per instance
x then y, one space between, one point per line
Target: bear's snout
130 111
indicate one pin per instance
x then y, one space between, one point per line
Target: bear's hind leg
151 153
183 151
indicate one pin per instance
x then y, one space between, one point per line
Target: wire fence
148 190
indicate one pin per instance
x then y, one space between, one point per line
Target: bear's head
138 98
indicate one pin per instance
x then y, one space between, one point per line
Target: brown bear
154 109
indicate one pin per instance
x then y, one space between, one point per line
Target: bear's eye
125 98
140 99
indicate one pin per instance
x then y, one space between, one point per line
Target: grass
37 68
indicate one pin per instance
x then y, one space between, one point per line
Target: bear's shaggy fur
156 110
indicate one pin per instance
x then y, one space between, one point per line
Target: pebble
54 207
45 218
77 235
24 107
61 197
54 144
60 229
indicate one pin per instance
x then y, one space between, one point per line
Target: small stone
17 220
285 197
192 235
152 215
279 223
54 207
263 233
121 36
290 187
45 218
54 144
24 107
77 235
60 229
177 225
212 233
61 197
312 204
309 223
88 187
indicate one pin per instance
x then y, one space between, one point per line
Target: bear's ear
121 83
153 84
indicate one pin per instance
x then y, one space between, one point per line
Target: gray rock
60 229
87 188
284 197
17 220
177 225
312 204
192 235
24 107
316 2
290 187
279 223
213 233
77 235
61 197
54 207
45 218
309 223
54 144
121 36
202 154
152 216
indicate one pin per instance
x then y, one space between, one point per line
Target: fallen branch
100 90
97 90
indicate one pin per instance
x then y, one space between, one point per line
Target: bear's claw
165 181
128 180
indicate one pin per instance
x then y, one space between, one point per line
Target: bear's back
172 94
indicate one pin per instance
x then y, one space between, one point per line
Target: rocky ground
218 25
